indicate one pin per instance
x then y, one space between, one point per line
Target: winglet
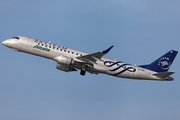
106 51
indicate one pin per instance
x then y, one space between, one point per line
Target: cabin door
28 42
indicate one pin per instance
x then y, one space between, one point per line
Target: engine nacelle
65 68
64 60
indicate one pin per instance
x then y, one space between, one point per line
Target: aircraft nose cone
4 42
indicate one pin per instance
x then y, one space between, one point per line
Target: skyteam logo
119 67
164 63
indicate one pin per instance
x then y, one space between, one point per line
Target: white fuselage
105 65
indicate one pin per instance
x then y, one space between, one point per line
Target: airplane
69 60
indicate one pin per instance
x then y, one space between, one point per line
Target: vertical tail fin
163 63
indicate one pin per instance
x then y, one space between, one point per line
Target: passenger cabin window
36 40
49 45
54 46
17 38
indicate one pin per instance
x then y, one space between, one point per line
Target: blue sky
31 88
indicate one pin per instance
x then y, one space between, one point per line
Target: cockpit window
16 38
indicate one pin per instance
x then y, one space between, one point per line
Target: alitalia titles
42 48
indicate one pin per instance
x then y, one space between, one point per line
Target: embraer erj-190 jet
70 60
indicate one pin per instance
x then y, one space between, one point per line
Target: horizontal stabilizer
163 74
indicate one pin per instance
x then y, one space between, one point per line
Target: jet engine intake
64 60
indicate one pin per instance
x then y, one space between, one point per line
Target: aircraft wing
92 58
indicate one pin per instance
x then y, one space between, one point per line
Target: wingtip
107 50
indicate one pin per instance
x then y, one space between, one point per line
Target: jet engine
64 60
64 67
65 63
